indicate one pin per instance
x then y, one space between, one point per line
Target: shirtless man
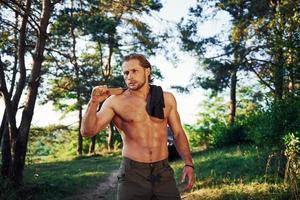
145 172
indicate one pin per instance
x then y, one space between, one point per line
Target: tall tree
15 137
264 40
8 48
277 29
104 24
224 66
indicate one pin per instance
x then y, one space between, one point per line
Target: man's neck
142 92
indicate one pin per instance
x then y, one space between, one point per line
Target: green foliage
56 141
225 135
212 127
292 171
199 136
264 39
292 143
4 37
218 80
269 127
257 122
217 134
290 115
259 128
53 140
102 27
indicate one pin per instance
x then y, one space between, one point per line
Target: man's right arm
93 122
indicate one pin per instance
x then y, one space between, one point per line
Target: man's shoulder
168 94
112 100
169 98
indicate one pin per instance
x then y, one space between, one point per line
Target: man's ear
148 71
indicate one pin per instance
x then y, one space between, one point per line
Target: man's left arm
181 141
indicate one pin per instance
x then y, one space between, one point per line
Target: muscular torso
144 137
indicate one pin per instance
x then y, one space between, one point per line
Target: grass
60 178
236 173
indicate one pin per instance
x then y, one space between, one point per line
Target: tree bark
19 146
233 83
92 145
79 138
79 143
109 136
9 127
279 77
237 59
77 82
278 72
3 124
6 154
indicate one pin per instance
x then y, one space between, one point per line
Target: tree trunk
9 128
233 82
77 82
278 73
92 146
109 136
14 73
237 58
278 117
279 76
79 139
3 124
6 153
79 143
20 144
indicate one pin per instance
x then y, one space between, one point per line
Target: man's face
134 74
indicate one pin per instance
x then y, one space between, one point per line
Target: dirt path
105 190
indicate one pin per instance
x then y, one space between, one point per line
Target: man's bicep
174 121
104 116
174 118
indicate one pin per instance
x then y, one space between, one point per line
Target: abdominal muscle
144 141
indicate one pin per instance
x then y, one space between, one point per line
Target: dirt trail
105 190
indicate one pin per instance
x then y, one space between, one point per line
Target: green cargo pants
146 181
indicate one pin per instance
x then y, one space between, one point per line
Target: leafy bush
292 171
50 140
60 141
269 127
225 135
259 128
218 134
199 136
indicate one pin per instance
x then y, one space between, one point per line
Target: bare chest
134 110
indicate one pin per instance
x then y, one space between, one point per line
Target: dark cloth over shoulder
155 102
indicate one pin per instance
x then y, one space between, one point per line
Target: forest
245 140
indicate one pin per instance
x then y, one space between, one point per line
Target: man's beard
137 85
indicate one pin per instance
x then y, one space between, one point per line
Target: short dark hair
143 62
